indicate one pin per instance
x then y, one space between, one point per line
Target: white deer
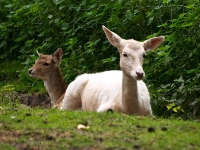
47 68
122 91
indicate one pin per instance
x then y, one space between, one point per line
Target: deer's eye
125 55
46 64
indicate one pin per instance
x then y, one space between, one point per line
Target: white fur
100 92
121 91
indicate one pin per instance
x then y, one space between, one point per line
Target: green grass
46 129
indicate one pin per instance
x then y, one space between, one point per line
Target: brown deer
47 68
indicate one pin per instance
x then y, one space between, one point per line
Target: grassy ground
51 129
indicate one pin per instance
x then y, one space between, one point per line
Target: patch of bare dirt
11 137
6 136
35 100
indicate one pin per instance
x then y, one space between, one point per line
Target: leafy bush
176 74
75 26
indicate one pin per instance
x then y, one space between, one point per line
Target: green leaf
3 43
50 16
175 109
97 41
8 6
41 34
190 6
56 20
150 20
64 28
113 58
179 80
187 25
61 7
13 47
136 12
166 1
182 15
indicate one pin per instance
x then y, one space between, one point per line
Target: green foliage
176 74
172 71
174 108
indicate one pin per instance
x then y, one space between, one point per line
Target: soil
30 100
35 100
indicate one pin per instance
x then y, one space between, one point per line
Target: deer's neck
130 101
56 87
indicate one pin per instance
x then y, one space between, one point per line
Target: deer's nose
140 75
30 71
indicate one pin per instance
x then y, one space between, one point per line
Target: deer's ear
153 43
113 38
58 55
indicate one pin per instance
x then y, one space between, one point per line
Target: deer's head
45 65
132 52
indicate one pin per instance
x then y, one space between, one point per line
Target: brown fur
47 68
